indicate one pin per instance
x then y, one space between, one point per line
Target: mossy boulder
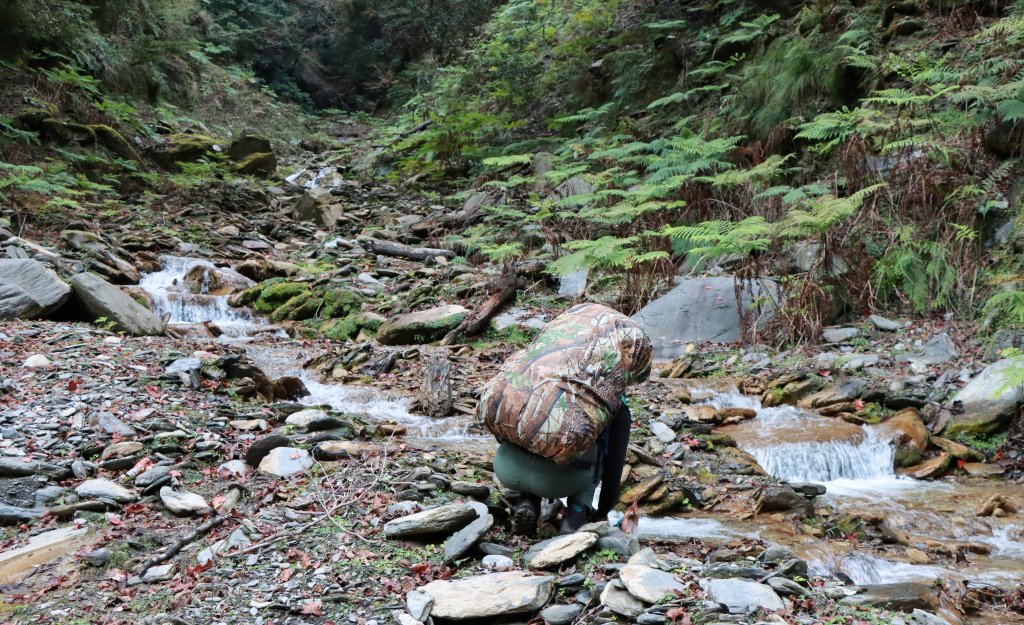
67 132
248 145
184 148
420 327
278 294
259 164
989 401
114 141
341 303
303 306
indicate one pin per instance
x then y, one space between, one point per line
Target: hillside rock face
28 289
699 310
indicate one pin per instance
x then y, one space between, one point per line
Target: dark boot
574 517
524 515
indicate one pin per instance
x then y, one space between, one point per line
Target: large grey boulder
102 299
989 401
701 310
29 290
422 326
491 595
741 597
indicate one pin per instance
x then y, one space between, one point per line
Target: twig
172 550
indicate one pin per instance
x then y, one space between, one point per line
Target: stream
854 463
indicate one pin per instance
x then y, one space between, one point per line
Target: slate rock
152 475
23 467
838 334
561 614
742 597
490 595
699 310
558 550
263 446
418 604
447 518
903 596
616 598
16 515
28 289
885 324
649 584
105 489
286 461
182 502
99 298
463 540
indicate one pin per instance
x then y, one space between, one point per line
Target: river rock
105 489
980 469
906 596
741 597
152 476
286 461
182 502
121 450
616 598
497 562
157 574
16 515
28 289
838 334
463 540
471 489
783 499
303 418
988 402
445 518
847 389
699 310
958 450
101 299
558 550
561 614
649 584
929 469
787 587
421 327
263 446
905 429
36 361
490 595
662 432
22 467
938 350
885 324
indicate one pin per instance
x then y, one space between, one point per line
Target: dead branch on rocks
502 290
391 248
172 550
436 391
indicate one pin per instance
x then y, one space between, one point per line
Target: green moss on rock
273 296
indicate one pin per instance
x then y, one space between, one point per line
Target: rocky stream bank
237 434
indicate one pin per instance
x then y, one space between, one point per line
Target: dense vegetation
864 153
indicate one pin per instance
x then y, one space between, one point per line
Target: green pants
520 470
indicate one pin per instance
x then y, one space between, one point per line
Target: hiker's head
636 350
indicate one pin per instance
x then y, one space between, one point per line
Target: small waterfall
171 298
828 461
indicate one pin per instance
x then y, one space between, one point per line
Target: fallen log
436 395
391 248
502 290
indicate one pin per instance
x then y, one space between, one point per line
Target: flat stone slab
648 584
446 518
105 489
462 541
183 502
616 598
494 594
102 299
286 461
741 597
559 550
29 289
41 548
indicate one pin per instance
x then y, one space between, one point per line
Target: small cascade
171 299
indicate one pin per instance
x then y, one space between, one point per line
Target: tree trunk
391 248
503 289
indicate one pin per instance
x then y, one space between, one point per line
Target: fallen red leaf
313 607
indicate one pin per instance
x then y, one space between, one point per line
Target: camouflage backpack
555 397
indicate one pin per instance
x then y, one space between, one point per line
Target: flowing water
271 349
855 464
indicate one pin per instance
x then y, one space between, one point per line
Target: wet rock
929 469
182 502
920 617
649 584
699 310
905 596
808 489
445 518
421 327
558 550
997 505
462 541
561 614
99 298
885 324
616 598
105 489
979 469
28 289
838 334
286 461
783 499
987 403
847 389
741 597
205 279
263 446
908 433
490 595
